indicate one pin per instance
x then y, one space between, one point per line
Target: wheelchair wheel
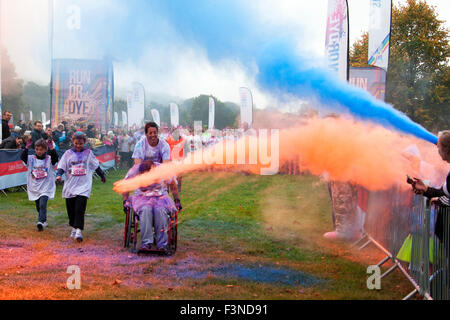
173 237
135 233
127 232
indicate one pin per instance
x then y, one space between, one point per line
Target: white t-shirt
78 168
40 178
159 153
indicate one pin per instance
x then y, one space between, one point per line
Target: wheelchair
132 229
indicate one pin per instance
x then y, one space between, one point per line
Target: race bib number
78 170
39 174
155 193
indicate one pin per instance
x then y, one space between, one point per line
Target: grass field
240 237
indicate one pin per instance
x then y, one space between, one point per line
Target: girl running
78 164
40 178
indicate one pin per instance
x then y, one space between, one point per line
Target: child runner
79 165
40 178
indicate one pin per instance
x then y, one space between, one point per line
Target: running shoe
78 235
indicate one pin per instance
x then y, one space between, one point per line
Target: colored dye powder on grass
267 274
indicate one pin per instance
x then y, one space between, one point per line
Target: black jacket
5 129
9 143
36 135
443 191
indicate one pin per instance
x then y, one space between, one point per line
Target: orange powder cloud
346 150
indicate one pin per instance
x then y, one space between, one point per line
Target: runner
78 164
177 145
151 147
40 178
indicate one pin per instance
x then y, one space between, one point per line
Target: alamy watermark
236 147
74 281
374 279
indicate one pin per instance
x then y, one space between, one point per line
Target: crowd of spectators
122 140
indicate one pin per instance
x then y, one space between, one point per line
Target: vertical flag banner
116 119
372 80
124 120
156 118
44 119
337 38
246 106
129 105
31 115
136 107
379 33
212 108
79 92
174 115
110 94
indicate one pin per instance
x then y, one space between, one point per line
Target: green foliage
37 99
197 109
225 114
360 51
419 73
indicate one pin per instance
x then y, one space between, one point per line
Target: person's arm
59 175
138 153
429 192
54 156
101 174
165 153
24 156
434 193
62 167
174 190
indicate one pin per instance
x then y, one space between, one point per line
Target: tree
225 114
419 75
37 99
360 51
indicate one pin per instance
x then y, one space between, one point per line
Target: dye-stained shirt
40 178
78 168
144 151
153 190
156 194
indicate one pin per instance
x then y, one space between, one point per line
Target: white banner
246 106
136 109
31 115
124 120
116 119
337 38
174 115
155 115
44 119
212 108
379 33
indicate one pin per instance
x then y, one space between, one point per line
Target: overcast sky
155 43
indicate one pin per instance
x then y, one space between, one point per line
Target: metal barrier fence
414 235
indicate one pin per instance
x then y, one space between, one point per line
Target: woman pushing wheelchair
154 207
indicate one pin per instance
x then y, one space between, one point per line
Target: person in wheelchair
154 207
